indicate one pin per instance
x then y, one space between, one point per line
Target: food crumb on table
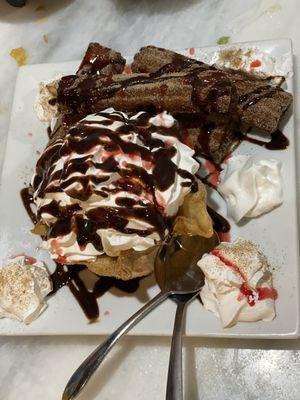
20 55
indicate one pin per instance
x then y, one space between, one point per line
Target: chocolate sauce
61 227
86 186
164 168
87 298
58 211
98 60
118 217
260 93
207 90
62 277
69 276
185 174
128 202
278 141
116 116
52 102
180 64
220 224
86 232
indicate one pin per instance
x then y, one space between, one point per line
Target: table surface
38 367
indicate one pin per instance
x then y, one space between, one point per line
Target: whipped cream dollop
112 184
250 188
238 283
24 284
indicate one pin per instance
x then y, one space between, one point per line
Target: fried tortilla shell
192 218
128 265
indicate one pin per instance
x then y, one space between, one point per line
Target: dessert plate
276 233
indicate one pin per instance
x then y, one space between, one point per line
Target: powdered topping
253 61
24 284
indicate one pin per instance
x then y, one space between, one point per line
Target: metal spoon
175 277
181 251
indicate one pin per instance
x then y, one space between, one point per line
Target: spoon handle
174 385
84 372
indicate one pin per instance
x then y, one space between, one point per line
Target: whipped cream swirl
112 184
238 283
250 188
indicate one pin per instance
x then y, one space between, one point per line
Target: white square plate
276 232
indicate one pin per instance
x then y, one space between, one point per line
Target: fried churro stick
101 60
212 138
258 104
211 91
206 91
150 59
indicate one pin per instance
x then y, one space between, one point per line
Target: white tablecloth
38 367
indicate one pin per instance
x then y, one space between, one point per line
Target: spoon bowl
176 267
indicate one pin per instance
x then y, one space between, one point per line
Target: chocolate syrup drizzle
87 299
220 224
81 138
278 141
